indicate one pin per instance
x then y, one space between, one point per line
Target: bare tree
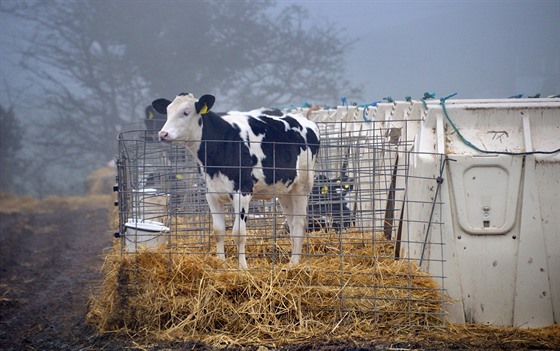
295 62
99 63
250 52
10 145
86 91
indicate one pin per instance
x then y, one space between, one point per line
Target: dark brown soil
50 261
49 266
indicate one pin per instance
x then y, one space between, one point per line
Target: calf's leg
240 205
218 223
295 210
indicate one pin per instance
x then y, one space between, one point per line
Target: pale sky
479 49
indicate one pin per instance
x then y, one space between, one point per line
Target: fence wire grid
360 210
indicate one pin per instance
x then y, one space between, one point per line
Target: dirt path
51 253
49 264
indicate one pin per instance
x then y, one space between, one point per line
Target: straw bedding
349 291
194 296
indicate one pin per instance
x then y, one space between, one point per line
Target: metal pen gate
357 215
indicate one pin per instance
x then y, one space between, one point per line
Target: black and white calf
255 155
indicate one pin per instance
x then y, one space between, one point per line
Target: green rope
426 97
364 110
344 101
472 146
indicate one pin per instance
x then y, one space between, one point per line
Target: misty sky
480 49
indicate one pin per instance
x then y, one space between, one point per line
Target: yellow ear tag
204 109
324 189
150 115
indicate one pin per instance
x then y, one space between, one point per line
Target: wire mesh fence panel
364 233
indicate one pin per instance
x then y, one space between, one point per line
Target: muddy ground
51 253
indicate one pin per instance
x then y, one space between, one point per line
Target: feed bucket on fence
149 204
501 228
144 234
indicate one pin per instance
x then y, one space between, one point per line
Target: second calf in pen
255 155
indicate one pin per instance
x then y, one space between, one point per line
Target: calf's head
183 116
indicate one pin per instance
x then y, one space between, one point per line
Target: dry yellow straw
194 296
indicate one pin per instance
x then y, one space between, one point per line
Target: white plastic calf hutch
501 218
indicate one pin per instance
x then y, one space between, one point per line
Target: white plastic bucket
144 234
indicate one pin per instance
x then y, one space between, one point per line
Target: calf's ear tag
204 109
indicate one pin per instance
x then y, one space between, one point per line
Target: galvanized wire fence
364 230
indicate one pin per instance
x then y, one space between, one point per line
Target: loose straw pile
194 296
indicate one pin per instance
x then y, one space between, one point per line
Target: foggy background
75 73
